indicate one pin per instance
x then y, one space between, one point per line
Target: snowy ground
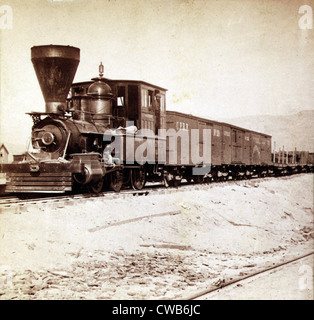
181 242
293 281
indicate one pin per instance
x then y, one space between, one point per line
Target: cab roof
120 81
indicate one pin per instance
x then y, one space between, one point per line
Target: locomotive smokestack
55 67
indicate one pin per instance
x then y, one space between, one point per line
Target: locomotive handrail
32 156
66 145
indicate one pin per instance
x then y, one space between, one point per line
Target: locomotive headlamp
47 138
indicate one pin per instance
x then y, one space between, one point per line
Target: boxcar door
246 148
255 149
204 139
226 145
216 144
265 150
237 146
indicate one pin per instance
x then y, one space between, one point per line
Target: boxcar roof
214 121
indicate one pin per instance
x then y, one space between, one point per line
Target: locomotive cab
138 102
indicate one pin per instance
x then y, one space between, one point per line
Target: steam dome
100 89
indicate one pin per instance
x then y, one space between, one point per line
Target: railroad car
109 133
235 151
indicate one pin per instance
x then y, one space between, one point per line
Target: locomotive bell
55 67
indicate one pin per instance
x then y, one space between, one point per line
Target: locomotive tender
74 139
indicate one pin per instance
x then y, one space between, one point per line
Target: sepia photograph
156 151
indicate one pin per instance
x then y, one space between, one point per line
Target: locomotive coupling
34 168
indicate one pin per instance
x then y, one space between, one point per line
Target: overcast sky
218 59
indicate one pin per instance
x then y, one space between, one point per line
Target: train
110 134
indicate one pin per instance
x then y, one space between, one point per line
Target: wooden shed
4 154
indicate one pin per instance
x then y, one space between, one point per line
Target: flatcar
107 133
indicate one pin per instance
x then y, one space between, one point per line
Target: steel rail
224 285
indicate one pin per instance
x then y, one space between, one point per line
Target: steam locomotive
106 133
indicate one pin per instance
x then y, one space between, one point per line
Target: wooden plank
40 183
41 179
36 189
42 174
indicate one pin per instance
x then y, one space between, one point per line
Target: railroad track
23 198
9 202
222 284
153 188
8 199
